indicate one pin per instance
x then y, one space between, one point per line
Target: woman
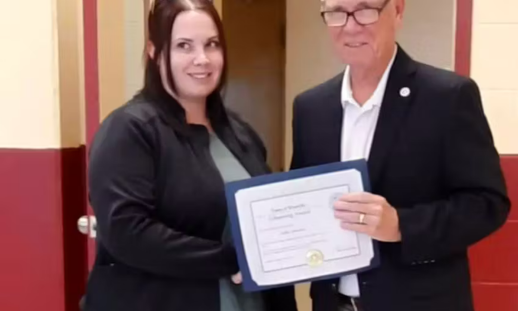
156 175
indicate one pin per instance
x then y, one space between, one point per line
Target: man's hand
370 214
237 278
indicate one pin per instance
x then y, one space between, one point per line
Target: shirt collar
377 97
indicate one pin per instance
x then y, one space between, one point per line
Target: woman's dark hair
161 17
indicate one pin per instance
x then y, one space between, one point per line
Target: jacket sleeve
296 158
477 204
122 194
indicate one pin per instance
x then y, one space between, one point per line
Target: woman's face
196 55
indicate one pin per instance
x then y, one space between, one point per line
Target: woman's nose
201 59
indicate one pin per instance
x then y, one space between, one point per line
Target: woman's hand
237 278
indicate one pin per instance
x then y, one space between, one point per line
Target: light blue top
232 296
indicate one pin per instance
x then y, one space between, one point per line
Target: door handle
87 225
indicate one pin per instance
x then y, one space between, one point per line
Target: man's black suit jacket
434 160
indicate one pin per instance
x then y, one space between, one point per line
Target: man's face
362 45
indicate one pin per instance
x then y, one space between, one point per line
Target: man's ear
400 9
150 47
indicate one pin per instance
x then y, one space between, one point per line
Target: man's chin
359 57
358 62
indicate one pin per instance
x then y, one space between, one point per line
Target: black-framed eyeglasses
363 16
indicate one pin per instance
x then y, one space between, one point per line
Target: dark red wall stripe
493 260
42 195
464 23
31 271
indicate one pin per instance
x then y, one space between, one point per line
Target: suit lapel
399 93
332 119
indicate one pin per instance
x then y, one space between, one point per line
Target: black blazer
432 158
161 210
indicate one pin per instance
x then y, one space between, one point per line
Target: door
255 33
87 224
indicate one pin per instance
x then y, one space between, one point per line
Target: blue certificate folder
232 188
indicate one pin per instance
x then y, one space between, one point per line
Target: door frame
463 36
91 87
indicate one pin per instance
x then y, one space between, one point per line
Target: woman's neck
195 109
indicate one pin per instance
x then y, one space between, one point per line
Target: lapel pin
404 92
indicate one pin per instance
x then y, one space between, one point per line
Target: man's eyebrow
366 5
361 5
332 8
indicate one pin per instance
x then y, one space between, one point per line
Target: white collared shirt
359 124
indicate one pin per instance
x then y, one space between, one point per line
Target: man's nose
351 25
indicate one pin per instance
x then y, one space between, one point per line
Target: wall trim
92 97
91 68
463 36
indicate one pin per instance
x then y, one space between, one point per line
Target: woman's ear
150 47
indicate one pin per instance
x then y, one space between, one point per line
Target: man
437 185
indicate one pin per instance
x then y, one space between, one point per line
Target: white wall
29 75
428 32
494 65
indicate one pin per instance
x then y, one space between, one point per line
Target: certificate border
232 188
280 196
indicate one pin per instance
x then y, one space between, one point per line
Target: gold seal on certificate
315 258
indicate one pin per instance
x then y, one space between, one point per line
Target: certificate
284 229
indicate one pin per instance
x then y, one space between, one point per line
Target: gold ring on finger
362 218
